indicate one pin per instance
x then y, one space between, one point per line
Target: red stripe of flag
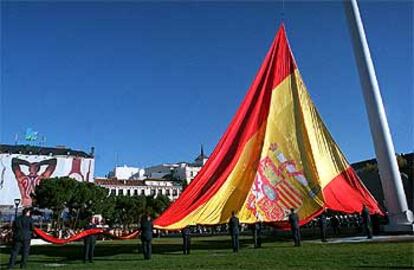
292 189
247 122
292 197
283 204
285 198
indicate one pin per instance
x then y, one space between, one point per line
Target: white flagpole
401 218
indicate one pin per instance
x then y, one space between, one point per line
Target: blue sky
148 82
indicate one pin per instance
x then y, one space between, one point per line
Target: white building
126 172
147 187
180 171
186 171
160 171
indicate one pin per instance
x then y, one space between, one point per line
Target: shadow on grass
384 267
108 251
73 252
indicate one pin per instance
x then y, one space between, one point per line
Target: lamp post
16 204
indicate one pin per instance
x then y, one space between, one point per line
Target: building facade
160 171
126 172
179 171
147 187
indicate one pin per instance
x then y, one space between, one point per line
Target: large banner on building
20 174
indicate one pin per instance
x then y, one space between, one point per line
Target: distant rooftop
118 182
40 150
129 182
201 156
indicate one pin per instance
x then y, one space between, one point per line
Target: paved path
361 239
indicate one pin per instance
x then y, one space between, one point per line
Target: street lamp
16 204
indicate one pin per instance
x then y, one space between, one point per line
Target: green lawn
215 253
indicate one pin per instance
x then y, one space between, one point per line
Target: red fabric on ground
54 240
51 239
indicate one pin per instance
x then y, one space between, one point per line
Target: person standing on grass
186 234
146 236
366 220
22 235
322 227
89 242
335 224
234 231
257 231
294 226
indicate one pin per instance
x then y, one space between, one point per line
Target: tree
184 184
125 209
81 200
156 205
140 204
54 193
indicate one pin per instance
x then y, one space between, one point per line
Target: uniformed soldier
186 234
257 234
234 232
335 224
366 220
294 226
22 234
322 227
146 236
89 243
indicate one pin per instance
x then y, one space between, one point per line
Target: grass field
215 253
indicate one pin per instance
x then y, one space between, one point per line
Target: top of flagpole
282 13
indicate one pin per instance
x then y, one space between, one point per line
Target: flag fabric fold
61 241
275 155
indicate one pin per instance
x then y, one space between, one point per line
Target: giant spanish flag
276 154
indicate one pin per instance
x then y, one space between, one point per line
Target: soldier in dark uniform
89 243
234 232
335 224
322 226
366 220
294 226
22 234
186 234
146 236
257 237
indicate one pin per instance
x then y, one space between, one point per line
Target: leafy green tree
81 200
92 199
184 184
156 205
140 204
53 194
125 209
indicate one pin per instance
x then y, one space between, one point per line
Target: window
159 191
174 192
152 192
142 192
113 192
168 192
129 192
136 192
